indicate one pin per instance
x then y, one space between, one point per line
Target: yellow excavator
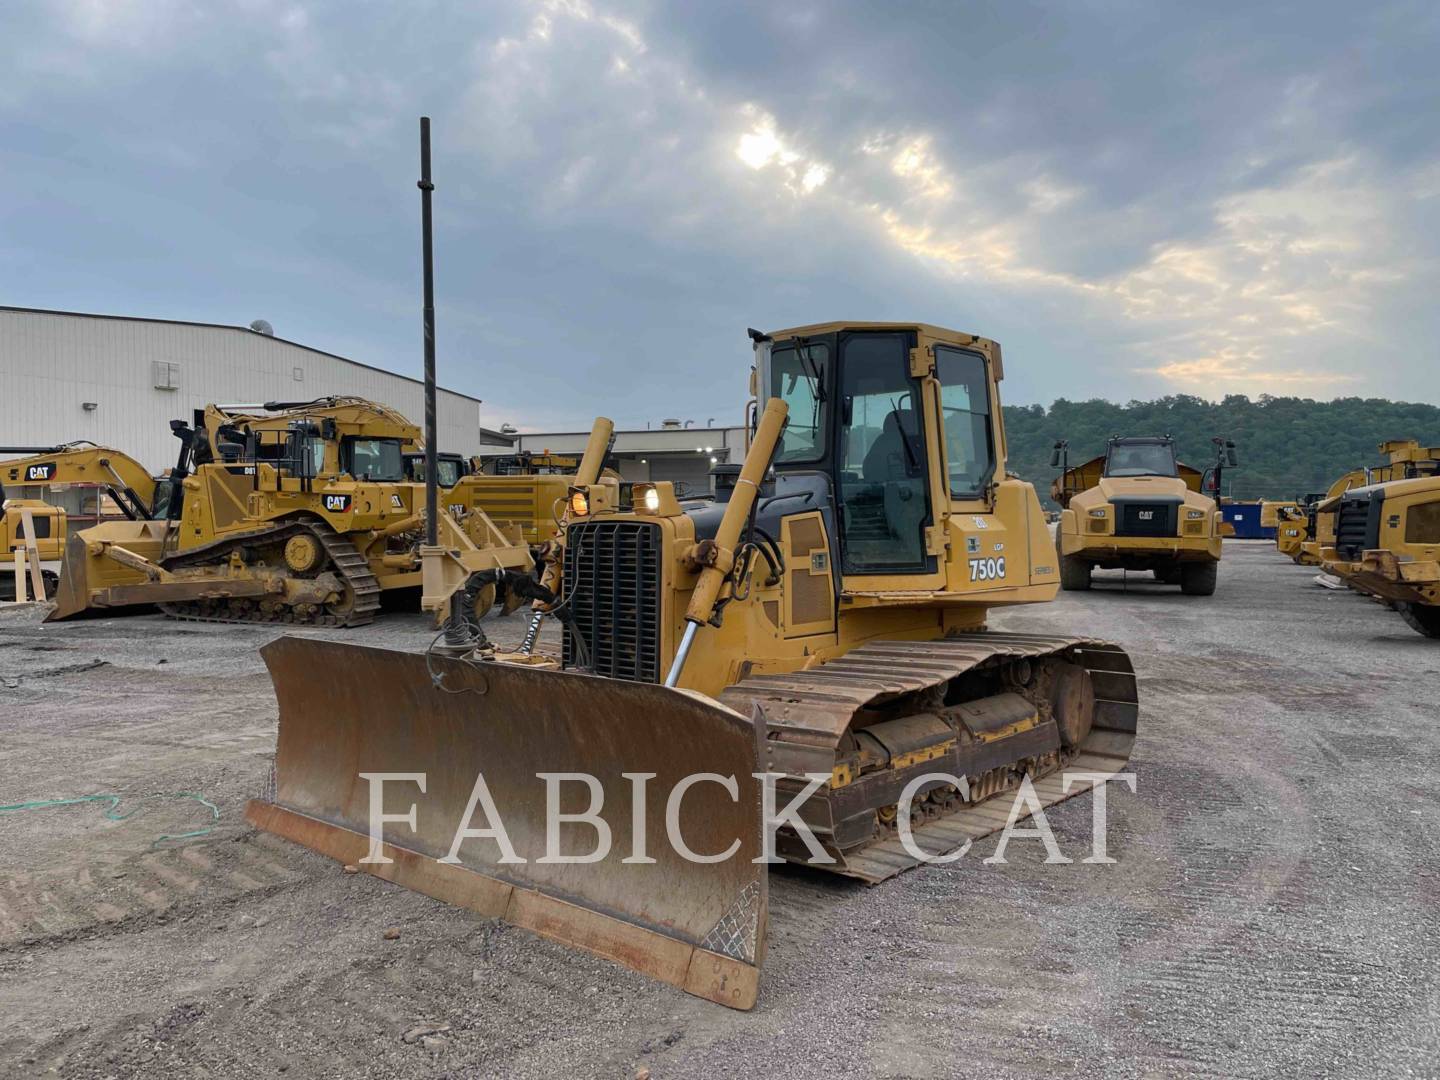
130 486
295 512
1136 507
798 669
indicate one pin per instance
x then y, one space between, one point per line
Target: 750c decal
987 569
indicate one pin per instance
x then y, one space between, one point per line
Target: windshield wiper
802 350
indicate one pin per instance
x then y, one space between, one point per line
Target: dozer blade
348 710
71 595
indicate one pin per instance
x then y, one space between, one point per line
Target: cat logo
39 473
337 504
1147 515
397 502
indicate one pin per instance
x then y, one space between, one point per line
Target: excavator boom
128 482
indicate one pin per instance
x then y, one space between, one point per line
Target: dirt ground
1275 910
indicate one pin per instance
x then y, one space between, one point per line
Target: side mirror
847 410
1231 458
1055 458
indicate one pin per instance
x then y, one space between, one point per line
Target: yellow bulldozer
1386 540
129 485
799 669
295 512
1136 507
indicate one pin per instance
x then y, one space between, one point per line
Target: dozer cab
822 625
291 512
1137 508
1387 537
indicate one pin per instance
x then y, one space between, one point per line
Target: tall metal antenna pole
428 257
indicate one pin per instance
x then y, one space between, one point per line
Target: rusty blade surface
71 594
351 709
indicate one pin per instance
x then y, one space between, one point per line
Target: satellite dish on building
260 326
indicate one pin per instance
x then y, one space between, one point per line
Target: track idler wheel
303 553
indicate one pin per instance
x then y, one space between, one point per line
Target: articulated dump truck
296 512
1386 540
1137 508
798 670
1404 458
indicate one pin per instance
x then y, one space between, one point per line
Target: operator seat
887 460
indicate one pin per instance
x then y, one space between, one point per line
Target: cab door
885 455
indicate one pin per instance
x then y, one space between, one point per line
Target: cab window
797 377
374 459
447 472
965 408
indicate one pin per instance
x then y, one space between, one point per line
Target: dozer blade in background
351 709
71 595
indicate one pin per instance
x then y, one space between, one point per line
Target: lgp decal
337 504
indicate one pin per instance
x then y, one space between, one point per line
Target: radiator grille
1352 528
1145 519
612 576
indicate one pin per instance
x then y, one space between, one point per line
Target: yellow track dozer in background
823 622
1136 508
292 512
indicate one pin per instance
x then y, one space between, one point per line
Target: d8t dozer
801 667
294 513
1137 508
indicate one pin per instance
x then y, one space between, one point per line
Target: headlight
579 502
652 500
1194 515
1098 513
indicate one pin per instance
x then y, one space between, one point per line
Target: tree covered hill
1286 445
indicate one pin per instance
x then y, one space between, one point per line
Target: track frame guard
349 709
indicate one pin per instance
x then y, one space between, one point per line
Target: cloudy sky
1135 197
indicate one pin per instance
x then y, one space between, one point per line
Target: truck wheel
1074 573
1198 578
1422 618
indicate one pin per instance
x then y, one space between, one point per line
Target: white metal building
669 452
119 381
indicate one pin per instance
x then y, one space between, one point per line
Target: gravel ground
1273 910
